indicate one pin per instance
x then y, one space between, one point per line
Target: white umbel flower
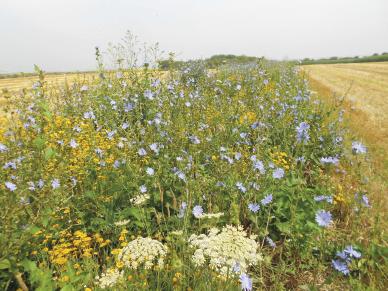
212 215
122 222
139 199
109 278
143 252
225 249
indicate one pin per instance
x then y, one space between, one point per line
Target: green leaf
34 229
49 153
39 142
5 264
284 227
134 212
68 287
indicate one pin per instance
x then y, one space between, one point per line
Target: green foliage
130 154
336 60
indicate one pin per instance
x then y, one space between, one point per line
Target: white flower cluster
122 222
228 251
139 199
143 251
109 278
212 215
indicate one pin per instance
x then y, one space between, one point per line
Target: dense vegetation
232 179
336 60
210 63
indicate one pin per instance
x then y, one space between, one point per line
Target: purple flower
182 210
329 160
110 134
343 255
365 201
241 187
319 198
323 218
150 171
10 165
340 266
254 207
40 183
11 186
194 139
3 148
143 189
84 88
116 164
55 183
258 165
128 107
155 148
148 94
73 143
246 282
89 115
302 132
270 242
278 173
197 211
267 200
142 152
352 252
358 148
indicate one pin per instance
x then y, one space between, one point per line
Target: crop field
10 86
365 85
242 178
364 88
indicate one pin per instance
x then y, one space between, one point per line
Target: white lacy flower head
139 199
109 278
212 215
143 252
122 222
226 249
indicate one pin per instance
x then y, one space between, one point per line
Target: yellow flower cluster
60 132
281 159
73 245
248 117
339 197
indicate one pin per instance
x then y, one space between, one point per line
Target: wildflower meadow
234 178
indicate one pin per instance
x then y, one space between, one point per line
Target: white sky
60 35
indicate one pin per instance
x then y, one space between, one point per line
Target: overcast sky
60 35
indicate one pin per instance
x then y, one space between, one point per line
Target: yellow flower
60 261
115 251
119 264
65 278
